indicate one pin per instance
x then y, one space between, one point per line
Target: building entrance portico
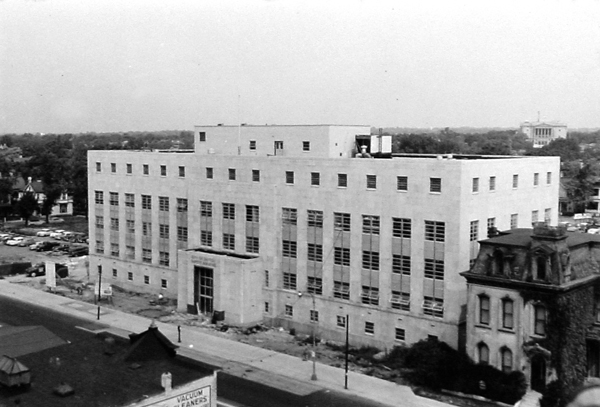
212 281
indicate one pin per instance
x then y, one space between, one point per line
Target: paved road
235 390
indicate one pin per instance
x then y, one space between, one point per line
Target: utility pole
347 349
99 288
314 354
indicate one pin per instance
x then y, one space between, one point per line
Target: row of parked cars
44 245
60 234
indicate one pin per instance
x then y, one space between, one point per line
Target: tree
26 206
52 193
566 149
581 186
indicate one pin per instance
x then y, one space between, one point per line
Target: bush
396 359
553 394
436 365
365 352
507 388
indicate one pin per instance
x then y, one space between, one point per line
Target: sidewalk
287 373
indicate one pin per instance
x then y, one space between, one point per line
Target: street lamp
99 288
314 355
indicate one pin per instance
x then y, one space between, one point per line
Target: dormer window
541 263
498 265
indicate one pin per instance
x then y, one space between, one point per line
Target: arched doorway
538 373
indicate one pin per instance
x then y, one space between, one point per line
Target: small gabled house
63 206
533 305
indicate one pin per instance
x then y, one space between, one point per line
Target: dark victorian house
532 305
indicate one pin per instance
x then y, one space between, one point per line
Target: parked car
35 245
44 232
5 236
79 251
56 220
46 245
40 270
75 237
57 234
26 242
63 247
14 241
36 222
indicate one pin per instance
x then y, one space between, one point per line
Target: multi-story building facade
534 304
287 225
542 133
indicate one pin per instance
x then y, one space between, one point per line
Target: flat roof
460 156
522 238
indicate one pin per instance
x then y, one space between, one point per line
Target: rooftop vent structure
13 373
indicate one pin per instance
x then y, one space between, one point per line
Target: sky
70 66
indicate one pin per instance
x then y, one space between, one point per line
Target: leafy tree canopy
26 206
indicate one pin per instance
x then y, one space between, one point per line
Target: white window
484 310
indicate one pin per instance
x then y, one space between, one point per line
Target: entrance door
278 146
538 373
204 289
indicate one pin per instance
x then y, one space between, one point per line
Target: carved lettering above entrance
203 261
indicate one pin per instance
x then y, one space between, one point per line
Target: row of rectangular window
145 169
507 318
435 183
341 321
163 282
163 201
163 257
401 227
515 181
369 327
369 295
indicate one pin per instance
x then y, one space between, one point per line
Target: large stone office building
301 227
